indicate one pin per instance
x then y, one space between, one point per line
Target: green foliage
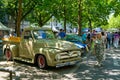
97 11
114 22
2 11
94 12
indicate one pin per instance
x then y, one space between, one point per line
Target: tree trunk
19 17
40 21
15 25
64 14
79 18
89 24
64 19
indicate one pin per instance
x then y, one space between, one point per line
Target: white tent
98 29
3 27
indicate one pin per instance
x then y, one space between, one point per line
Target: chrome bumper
67 63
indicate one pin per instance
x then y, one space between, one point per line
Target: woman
116 40
99 49
104 39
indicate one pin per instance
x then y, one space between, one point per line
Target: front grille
69 55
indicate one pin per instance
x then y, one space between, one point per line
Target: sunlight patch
5 62
113 72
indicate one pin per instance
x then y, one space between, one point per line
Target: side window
48 35
43 34
40 34
27 35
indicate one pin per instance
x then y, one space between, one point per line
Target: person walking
116 40
91 48
96 49
104 39
99 50
109 40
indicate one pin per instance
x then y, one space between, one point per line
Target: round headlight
57 57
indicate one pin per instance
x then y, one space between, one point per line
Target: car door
26 45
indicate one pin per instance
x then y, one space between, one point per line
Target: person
112 38
109 40
94 33
99 50
13 34
44 35
6 34
119 37
116 40
104 39
89 35
96 49
91 48
61 34
84 37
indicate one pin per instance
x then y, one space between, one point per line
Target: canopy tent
3 27
98 29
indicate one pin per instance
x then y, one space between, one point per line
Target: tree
81 13
97 12
79 17
12 10
3 12
19 17
114 22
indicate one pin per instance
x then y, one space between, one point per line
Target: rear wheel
41 61
8 55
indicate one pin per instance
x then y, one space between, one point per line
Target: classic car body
77 40
38 45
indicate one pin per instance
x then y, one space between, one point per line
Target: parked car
39 46
77 40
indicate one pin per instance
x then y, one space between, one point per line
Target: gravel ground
25 71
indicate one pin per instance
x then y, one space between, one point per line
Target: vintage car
39 46
77 40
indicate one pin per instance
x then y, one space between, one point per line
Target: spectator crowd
98 42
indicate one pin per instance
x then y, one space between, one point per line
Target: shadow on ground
25 71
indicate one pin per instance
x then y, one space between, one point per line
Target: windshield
43 34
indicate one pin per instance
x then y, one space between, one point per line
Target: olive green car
39 46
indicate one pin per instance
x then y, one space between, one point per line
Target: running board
28 60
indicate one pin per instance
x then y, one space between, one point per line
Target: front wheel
8 55
41 61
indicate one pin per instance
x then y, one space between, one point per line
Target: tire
8 55
41 62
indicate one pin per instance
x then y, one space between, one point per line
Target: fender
44 52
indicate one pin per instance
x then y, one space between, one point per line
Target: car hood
79 44
56 44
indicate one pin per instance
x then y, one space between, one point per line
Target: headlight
57 57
